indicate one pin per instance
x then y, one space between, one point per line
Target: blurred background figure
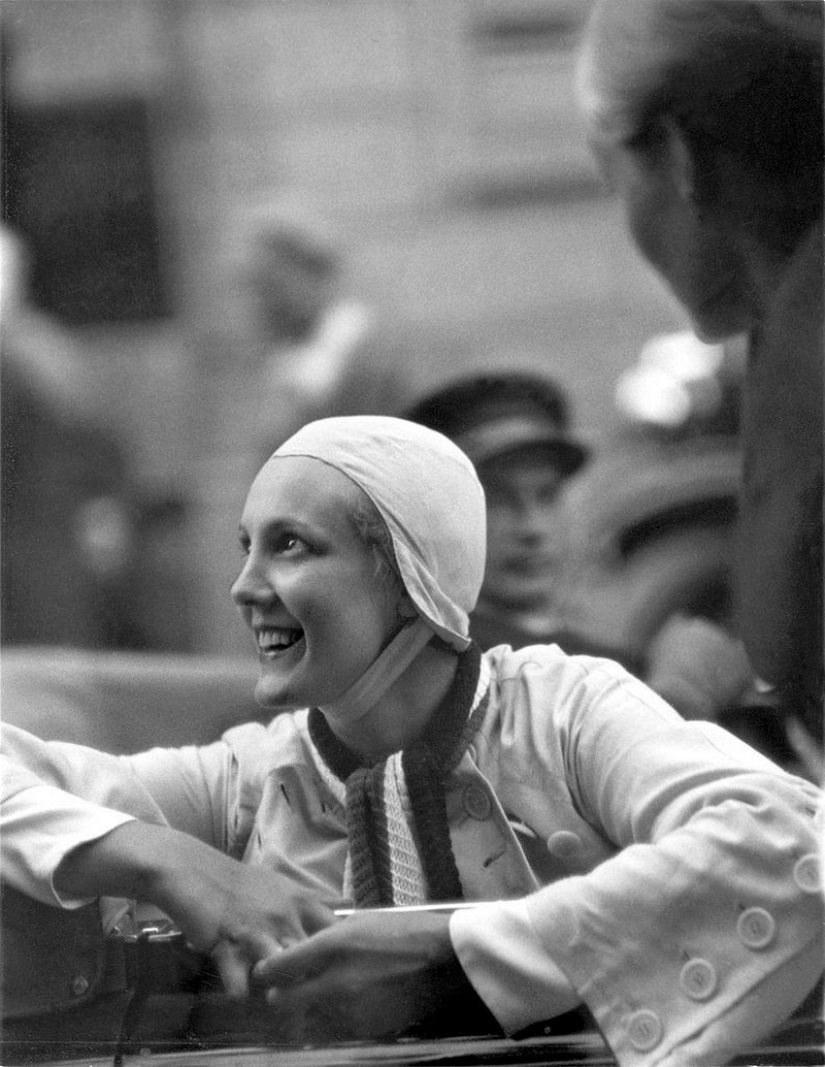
656 514
81 564
319 349
514 426
155 579
707 120
67 524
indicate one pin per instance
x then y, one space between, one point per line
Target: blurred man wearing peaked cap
514 426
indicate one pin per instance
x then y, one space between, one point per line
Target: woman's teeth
277 640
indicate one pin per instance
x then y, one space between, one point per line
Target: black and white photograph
411 585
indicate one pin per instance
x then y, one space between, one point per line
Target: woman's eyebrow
285 524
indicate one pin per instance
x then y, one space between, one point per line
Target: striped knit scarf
399 835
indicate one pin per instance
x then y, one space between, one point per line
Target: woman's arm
57 796
115 840
236 912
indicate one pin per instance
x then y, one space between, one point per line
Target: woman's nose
250 585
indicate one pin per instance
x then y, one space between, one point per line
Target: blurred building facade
441 136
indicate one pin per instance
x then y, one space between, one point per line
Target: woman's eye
286 542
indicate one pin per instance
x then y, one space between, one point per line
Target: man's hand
372 975
240 914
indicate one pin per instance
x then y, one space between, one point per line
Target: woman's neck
401 715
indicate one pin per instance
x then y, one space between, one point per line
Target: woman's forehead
302 487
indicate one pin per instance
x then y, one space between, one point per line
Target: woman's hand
372 975
237 913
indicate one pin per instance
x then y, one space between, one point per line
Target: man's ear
691 171
681 162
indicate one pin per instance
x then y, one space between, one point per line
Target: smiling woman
309 590
656 871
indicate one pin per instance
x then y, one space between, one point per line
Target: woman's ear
405 607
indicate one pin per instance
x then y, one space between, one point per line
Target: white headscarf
427 492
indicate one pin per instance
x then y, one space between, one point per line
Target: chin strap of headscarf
399 836
364 694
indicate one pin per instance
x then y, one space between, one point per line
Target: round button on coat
807 875
644 1029
698 979
476 802
564 844
756 928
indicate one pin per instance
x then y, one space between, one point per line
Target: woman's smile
274 641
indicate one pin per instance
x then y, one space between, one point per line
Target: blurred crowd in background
611 523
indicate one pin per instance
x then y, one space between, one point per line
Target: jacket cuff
503 957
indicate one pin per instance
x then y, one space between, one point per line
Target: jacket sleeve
703 933
56 796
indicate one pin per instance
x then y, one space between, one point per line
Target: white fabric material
51 822
427 492
406 872
497 944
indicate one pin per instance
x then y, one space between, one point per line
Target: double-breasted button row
699 980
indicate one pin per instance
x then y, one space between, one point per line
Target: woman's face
308 588
692 246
